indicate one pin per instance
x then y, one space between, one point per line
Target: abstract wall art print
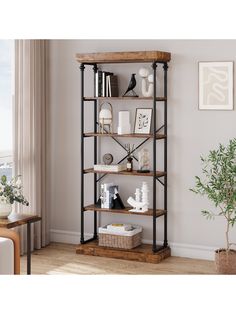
143 119
216 85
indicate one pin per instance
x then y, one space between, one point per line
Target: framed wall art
143 120
216 85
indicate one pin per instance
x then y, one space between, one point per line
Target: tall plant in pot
10 192
219 185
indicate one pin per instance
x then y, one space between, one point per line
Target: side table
16 220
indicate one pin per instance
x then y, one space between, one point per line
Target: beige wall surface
191 133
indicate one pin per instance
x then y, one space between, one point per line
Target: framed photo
143 120
215 85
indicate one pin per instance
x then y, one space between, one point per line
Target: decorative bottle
129 165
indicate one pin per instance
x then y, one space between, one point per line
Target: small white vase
5 210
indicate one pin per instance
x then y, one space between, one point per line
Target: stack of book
134 229
108 192
119 227
106 84
110 197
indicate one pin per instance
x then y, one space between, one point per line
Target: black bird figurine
132 84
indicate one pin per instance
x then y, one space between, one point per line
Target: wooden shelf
91 134
125 211
15 220
124 98
142 253
127 173
123 57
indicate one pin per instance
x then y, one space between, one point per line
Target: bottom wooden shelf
142 253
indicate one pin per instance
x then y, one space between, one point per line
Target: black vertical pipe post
28 248
95 69
165 67
154 246
82 67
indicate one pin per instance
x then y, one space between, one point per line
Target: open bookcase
146 252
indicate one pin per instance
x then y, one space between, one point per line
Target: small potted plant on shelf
219 185
10 192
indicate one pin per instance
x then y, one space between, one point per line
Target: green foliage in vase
218 183
11 192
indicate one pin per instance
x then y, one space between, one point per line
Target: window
6 114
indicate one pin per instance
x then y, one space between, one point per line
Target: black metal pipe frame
142 143
121 145
155 178
89 240
95 69
163 184
82 67
165 67
154 245
125 157
28 248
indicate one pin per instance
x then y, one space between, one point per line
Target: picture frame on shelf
215 81
143 121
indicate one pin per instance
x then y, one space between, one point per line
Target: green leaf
218 181
4 179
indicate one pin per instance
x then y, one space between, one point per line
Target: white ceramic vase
147 87
5 210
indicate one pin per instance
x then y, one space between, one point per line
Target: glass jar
143 160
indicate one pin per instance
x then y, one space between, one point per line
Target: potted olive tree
218 183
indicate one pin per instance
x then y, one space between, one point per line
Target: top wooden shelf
123 57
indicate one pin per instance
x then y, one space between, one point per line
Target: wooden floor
59 259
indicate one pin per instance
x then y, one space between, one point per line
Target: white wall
191 133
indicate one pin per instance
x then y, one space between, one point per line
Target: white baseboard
63 236
177 249
193 251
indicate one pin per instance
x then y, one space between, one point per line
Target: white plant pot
5 210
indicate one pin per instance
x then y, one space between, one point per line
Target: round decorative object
147 82
143 72
5 210
105 117
107 159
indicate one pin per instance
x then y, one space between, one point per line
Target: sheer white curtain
30 134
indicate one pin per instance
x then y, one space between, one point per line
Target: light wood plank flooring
59 259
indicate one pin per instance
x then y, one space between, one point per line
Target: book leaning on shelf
106 84
112 86
109 190
104 197
98 84
110 197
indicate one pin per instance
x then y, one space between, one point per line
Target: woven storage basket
120 241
